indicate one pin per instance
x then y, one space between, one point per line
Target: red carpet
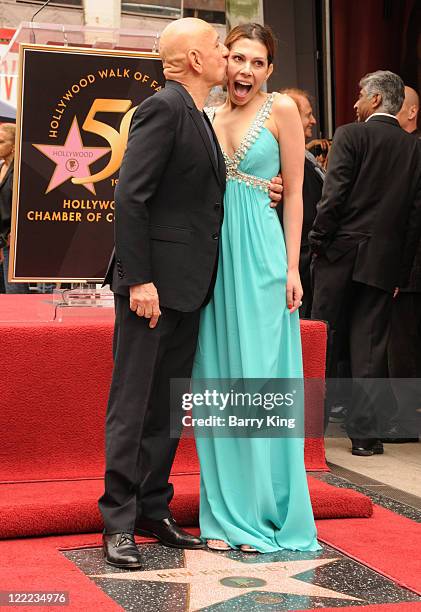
53 402
388 543
46 508
377 542
54 396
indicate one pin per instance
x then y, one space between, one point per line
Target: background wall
367 35
299 56
373 35
293 22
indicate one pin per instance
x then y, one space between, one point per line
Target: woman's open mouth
242 88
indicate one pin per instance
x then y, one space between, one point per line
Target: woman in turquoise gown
254 493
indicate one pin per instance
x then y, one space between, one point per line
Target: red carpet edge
376 542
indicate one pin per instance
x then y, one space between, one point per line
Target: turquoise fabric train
253 490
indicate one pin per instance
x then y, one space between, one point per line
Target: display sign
74 112
8 68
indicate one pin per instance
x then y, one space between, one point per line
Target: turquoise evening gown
253 490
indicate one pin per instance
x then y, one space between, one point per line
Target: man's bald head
411 97
178 39
408 114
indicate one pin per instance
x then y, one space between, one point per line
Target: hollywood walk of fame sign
214 578
74 112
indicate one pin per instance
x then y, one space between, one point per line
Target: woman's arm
291 147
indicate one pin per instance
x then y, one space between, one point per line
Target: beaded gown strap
252 133
210 111
232 163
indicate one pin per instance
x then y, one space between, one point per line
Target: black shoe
167 532
120 550
367 447
337 414
378 447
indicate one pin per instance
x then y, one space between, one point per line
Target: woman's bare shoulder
283 106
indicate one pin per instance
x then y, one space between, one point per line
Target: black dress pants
404 353
358 316
304 266
405 336
139 448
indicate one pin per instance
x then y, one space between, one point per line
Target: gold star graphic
214 578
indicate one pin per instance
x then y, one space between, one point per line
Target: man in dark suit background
167 222
312 192
408 115
364 237
405 332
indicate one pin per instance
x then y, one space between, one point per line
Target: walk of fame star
72 159
213 578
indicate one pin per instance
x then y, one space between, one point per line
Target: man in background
312 192
404 351
365 237
408 115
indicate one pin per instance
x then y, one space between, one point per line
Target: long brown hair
254 31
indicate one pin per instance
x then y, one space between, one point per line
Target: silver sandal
218 545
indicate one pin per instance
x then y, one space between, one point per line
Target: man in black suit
408 115
364 237
312 192
405 332
167 224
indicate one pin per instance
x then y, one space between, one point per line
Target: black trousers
405 336
304 266
404 353
358 316
139 448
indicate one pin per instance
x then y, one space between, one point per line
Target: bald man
404 353
167 221
408 115
167 224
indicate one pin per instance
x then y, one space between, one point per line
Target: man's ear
376 100
412 112
195 60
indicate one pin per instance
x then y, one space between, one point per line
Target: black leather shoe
120 550
167 532
337 414
378 447
367 447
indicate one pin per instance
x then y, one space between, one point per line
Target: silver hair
389 85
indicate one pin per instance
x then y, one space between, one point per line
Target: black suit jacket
312 192
371 200
414 284
168 203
